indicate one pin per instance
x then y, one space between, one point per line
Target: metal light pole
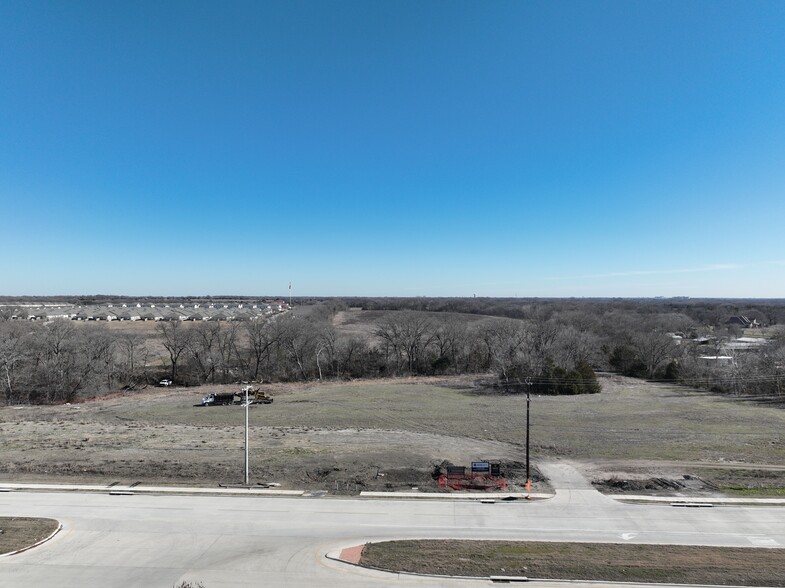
528 407
247 404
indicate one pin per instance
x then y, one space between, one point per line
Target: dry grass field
341 436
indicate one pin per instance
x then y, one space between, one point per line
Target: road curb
42 541
498 496
690 501
335 555
131 491
451 496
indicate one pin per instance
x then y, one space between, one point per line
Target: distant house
719 359
59 314
743 322
746 343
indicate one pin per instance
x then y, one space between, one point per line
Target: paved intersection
160 540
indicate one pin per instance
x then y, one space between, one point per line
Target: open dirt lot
391 434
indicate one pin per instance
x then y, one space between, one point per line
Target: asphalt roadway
227 541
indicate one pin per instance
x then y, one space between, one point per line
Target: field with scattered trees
545 346
380 393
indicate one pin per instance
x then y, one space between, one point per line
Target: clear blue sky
393 148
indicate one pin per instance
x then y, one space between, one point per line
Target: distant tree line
549 347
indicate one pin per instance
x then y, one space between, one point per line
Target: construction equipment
256 396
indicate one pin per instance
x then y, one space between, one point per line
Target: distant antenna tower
290 294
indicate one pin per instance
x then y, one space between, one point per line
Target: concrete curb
42 541
335 555
129 491
500 496
488 497
685 500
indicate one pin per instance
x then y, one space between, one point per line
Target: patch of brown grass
683 564
21 532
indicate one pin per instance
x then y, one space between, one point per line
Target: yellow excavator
255 395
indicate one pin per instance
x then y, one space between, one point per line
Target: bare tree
542 334
298 339
449 337
227 349
67 361
176 339
12 354
352 356
653 348
202 349
407 335
325 343
262 337
573 346
133 351
505 341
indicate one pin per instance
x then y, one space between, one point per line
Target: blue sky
393 148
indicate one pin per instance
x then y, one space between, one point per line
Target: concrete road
149 541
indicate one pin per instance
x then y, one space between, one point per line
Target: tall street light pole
528 428
247 404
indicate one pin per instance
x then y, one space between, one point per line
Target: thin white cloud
706 268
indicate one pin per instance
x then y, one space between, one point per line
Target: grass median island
22 532
582 561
